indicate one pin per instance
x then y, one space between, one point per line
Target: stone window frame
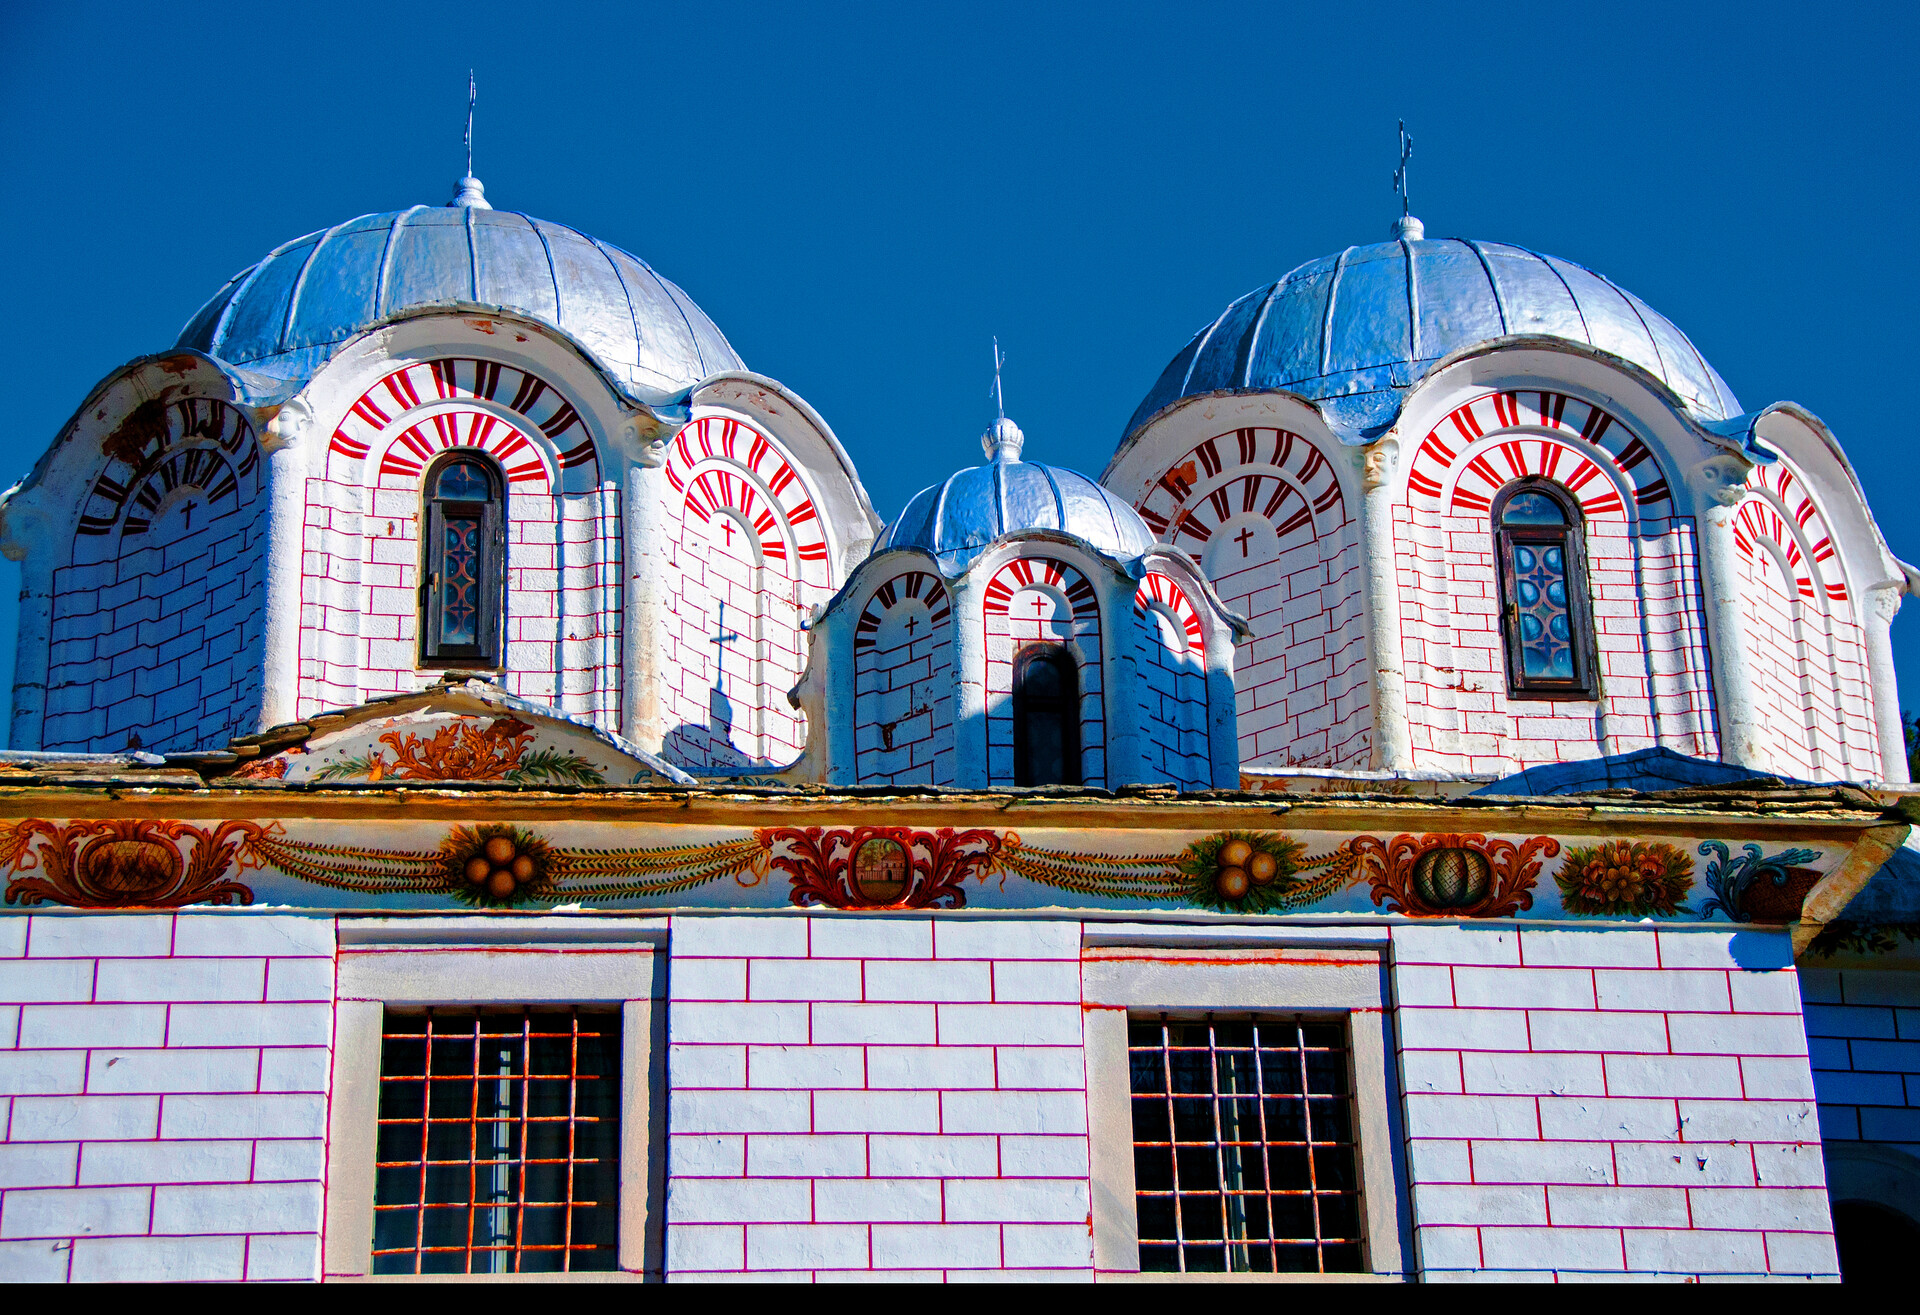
539 961
1161 970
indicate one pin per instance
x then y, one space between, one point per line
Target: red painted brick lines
899 1095
167 1079
1033 601
1645 602
1607 1102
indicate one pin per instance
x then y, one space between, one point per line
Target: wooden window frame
1585 685
493 563
1070 749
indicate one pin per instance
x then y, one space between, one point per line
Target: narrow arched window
1546 616
465 557
1046 717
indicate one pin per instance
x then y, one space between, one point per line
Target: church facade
490 795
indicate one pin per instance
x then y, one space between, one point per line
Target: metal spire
999 402
468 193
1406 226
1003 439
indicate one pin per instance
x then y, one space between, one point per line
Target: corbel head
1722 478
286 425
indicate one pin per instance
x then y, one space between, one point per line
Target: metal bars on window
498 1142
1244 1157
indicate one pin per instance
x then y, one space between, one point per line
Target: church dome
288 314
959 519
1358 328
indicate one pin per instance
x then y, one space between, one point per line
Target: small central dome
958 520
287 315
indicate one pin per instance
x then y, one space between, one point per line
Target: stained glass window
464 542
1543 583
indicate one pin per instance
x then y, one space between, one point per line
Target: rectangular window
1244 1146
498 1142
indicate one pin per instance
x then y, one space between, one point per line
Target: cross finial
468 192
999 401
1400 174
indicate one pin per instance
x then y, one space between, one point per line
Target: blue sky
861 196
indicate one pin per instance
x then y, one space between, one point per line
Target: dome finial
1406 227
1003 440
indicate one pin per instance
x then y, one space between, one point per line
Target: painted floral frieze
506 864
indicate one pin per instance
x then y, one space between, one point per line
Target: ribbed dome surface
957 520
1359 327
288 314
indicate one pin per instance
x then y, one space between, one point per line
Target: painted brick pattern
1609 1103
1169 657
360 570
750 559
901 1095
1037 600
163 1095
157 621
1863 1033
1262 510
1809 653
1642 568
903 683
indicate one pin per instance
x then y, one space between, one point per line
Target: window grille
498 1143
465 550
1244 1146
1546 617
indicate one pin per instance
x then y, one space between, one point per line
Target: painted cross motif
1243 538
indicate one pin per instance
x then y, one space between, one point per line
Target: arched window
465 530
1546 617
1046 717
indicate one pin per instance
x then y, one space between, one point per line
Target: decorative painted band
157 863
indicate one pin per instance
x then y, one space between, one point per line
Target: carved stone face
653 449
1722 478
288 424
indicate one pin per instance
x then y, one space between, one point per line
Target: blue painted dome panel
342 290
1366 324
974 508
509 266
288 314
1368 328
1456 301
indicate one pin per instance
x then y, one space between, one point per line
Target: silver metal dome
288 314
1354 331
959 519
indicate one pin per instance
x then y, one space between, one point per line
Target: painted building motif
488 795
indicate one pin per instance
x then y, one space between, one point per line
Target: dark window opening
1243 1146
499 1143
1874 1242
1046 717
465 555
1546 617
